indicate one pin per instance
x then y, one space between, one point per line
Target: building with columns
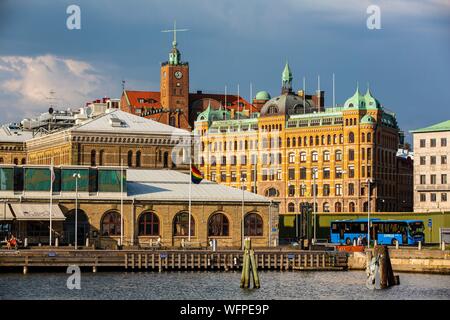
295 143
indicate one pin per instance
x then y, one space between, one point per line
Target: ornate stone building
113 139
12 148
294 138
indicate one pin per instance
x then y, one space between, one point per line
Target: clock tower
174 87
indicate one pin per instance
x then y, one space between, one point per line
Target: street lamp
242 222
343 190
369 181
76 176
314 172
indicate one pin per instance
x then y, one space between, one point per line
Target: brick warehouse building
277 150
155 205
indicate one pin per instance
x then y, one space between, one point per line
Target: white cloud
26 83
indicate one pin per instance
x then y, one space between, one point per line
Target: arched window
213 160
291 207
292 157
253 225
351 207
148 224
100 157
337 207
326 156
326 207
181 224
291 190
302 156
311 141
317 140
272 192
314 156
273 110
23 161
341 138
294 142
110 225
218 225
351 137
288 142
172 121
130 158
1 160
338 155
365 207
93 156
138 159
166 159
363 137
369 137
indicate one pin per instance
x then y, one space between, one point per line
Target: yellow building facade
278 151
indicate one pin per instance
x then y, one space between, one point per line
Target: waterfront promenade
57 259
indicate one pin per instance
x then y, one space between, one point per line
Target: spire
174 55
286 79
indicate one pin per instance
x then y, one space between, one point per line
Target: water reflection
219 285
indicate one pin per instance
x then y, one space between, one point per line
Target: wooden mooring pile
162 260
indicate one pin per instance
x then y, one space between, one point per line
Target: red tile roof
151 99
233 99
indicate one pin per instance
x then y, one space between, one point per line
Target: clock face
178 74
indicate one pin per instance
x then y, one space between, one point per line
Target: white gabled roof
174 186
120 121
7 135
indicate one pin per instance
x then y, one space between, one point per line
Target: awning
36 212
5 212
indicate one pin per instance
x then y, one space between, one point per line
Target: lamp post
76 176
369 181
343 190
243 180
314 172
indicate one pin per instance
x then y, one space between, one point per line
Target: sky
229 42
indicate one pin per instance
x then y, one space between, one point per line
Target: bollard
40 244
94 269
56 242
87 242
396 245
354 242
419 246
375 243
25 269
443 245
25 243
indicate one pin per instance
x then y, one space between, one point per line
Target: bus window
416 228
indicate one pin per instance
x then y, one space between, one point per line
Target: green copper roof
367 119
262 95
359 101
287 74
212 115
441 126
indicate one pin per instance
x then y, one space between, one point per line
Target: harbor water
204 285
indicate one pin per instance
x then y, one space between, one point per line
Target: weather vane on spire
174 30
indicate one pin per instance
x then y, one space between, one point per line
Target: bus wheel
348 241
394 242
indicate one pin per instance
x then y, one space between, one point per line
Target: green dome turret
371 101
262 95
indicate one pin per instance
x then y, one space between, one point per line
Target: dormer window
273 110
350 105
141 100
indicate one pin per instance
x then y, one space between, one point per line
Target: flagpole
190 193
121 201
51 202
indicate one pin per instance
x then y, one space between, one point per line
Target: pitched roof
14 136
143 99
174 186
441 126
120 121
231 99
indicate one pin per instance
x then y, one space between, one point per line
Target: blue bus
389 232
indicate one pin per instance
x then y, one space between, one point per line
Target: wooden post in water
249 262
387 278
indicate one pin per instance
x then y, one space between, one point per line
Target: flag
196 175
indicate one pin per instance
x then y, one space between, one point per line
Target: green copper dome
367 119
371 101
262 95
